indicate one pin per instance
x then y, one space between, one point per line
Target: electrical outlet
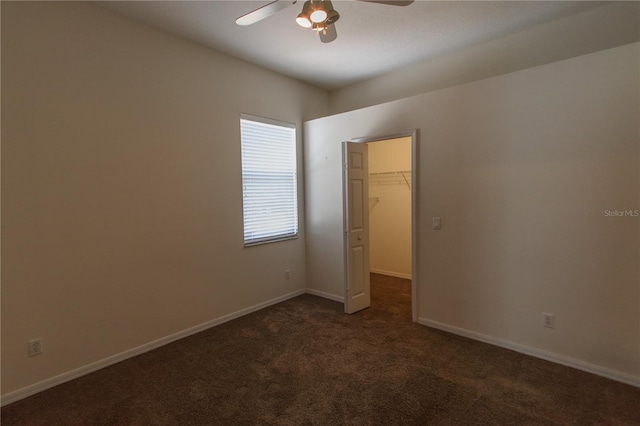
287 274
548 320
35 347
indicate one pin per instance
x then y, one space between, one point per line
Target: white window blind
269 180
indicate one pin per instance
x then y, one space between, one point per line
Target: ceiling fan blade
264 12
391 2
329 34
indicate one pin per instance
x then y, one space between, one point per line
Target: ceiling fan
319 15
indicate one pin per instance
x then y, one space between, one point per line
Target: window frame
284 235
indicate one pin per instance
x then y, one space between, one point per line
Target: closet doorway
389 243
390 249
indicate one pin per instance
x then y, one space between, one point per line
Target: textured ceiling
372 38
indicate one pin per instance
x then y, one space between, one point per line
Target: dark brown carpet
304 362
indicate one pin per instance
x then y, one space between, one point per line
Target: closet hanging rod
391 178
401 172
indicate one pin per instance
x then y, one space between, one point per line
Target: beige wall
609 25
390 208
521 168
121 187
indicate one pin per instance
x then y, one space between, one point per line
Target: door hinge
346 234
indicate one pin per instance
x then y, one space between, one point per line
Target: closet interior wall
390 207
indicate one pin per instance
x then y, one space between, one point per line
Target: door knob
359 238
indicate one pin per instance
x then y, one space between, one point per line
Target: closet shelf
401 177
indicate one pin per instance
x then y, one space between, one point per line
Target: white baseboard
90 368
391 273
326 295
537 353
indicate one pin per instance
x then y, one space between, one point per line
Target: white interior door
356 202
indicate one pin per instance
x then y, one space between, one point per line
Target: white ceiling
372 38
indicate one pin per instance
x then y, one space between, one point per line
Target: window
269 180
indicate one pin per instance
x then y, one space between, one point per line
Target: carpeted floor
304 362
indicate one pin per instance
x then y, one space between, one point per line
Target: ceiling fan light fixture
304 18
332 14
319 13
303 21
332 17
318 16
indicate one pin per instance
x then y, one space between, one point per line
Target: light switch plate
437 223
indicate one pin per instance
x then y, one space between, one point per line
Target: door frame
414 135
